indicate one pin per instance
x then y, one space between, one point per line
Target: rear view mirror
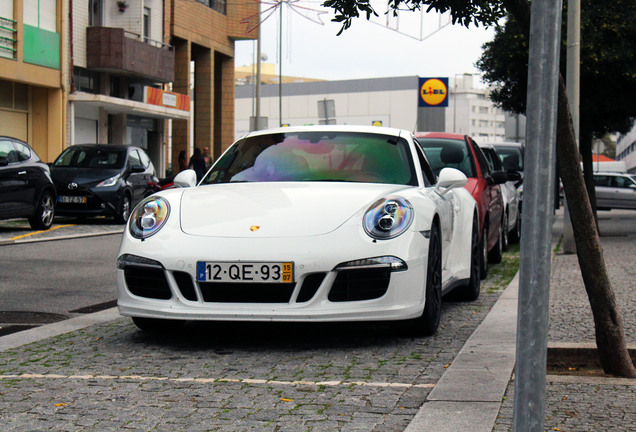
450 178
514 176
497 177
186 178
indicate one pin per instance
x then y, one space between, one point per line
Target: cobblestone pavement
581 403
232 377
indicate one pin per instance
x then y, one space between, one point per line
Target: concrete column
224 103
204 98
181 128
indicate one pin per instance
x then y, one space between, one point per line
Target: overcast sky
367 49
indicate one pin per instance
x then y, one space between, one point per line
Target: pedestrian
183 162
197 163
206 157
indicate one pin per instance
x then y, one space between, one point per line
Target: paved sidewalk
581 401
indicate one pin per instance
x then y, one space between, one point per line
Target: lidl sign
433 92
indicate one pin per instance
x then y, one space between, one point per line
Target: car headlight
109 181
388 217
148 217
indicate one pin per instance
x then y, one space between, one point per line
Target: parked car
511 155
511 196
615 190
449 150
26 187
102 180
322 223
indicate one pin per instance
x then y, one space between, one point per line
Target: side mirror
4 161
497 177
187 178
514 176
137 169
450 178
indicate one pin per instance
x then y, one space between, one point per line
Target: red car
460 151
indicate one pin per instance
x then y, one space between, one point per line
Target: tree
606 82
610 338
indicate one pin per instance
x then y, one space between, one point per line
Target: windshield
448 153
316 156
86 157
511 158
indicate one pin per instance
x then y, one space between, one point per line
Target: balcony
118 51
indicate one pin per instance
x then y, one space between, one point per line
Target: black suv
102 179
26 188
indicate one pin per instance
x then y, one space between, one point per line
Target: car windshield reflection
312 156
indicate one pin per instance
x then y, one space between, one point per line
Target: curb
36 334
469 394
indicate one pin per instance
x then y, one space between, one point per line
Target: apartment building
32 99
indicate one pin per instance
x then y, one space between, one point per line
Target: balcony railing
8 35
115 50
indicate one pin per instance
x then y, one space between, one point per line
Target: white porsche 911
318 223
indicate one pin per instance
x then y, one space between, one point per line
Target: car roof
332 128
447 135
104 146
503 144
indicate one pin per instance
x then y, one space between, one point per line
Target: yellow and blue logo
433 92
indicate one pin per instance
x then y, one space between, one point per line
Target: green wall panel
41 47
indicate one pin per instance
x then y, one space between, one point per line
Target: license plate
250 272
71 199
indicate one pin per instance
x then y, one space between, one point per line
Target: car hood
81 175
275 209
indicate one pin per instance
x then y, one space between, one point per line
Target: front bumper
99 202
169 290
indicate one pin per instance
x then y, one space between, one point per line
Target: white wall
393 108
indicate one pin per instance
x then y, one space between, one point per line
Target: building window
217 5
14 96
146 24
86 81
95 13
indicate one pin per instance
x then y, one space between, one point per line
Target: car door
448 204
135 179
624 192
13 181
493 192
604 191
34 174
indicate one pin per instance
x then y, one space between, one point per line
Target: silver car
615 190
510 192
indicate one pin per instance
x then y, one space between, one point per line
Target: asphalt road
44 282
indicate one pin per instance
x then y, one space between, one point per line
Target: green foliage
608 62
462 12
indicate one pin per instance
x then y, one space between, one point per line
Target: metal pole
280 66
534 274
573 64
257 114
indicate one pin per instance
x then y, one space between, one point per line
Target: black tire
123 211
471 290
428 323
42 219
483 256
496 253
516 232
157 325
504 232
